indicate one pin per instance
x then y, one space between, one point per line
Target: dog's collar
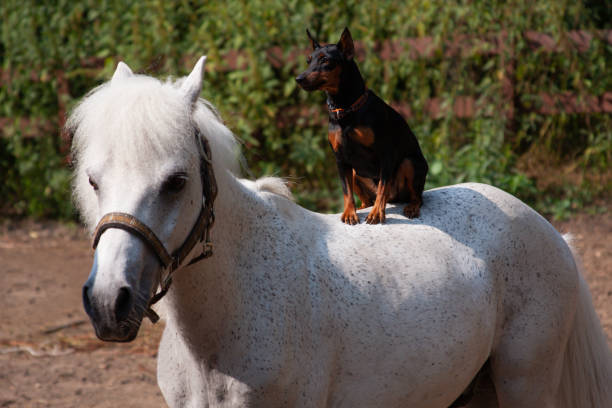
339 113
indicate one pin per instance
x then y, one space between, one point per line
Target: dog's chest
350 137
354 145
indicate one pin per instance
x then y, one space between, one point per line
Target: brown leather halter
199 233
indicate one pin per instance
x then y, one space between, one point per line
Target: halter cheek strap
200 232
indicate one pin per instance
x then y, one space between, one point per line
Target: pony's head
138 146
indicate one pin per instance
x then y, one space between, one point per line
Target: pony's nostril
123 304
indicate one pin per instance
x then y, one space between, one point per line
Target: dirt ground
49 356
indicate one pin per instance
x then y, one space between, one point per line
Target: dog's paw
376 216
412 210
350 217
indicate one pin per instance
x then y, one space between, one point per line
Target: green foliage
36 178
157 37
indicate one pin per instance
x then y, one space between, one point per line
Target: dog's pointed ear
192 86
315 44
121 72
345 45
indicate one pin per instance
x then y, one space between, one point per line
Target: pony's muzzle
110 314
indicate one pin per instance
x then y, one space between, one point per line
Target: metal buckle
207 249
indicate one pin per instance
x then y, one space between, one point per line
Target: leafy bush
545 160
36 178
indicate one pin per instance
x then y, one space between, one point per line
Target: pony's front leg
175 374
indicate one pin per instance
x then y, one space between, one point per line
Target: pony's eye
93 184
175 183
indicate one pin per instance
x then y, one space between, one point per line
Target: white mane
139 116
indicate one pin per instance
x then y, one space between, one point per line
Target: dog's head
326 63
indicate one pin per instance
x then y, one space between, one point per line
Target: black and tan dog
378 156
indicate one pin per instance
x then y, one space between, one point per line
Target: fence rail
495 44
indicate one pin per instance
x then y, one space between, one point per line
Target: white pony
479 297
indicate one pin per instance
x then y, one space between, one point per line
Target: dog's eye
175 183
324 60
93 184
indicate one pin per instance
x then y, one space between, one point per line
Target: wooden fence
496 44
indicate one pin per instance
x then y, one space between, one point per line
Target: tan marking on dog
363 135
349 215
332 80
335 138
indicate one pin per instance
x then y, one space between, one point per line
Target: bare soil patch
50 357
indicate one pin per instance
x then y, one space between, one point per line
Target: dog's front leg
349 215
377 214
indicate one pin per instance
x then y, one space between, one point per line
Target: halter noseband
199 233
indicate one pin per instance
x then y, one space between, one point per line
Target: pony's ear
122 72
192 86
315 44
345 45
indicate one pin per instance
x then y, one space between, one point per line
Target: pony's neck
204 295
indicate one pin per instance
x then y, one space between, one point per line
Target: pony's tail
586 379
